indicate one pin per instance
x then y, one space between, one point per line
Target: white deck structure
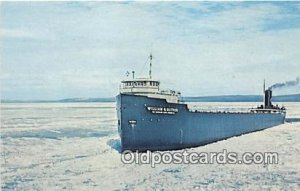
148 87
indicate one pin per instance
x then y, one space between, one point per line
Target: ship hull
153 124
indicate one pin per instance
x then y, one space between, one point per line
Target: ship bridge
148 87
140 85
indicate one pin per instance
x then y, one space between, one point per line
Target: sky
56 50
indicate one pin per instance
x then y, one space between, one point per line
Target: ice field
75 146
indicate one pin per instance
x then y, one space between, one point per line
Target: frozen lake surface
74 146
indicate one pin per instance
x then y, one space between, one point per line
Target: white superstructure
148 87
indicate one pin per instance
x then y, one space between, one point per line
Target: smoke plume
285 84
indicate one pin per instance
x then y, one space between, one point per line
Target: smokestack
268 97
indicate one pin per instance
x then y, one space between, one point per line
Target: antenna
150 72
264 96
264 85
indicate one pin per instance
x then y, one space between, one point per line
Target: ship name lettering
162 110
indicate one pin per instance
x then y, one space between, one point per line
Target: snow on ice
75 146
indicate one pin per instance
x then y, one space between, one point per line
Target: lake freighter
154 119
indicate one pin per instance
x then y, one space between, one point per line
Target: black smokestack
268 97
285 84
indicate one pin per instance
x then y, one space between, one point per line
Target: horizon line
109 99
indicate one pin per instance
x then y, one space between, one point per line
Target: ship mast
150 72
264 92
